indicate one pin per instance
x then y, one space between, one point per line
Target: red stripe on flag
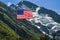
28 13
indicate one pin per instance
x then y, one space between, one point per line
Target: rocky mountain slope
31 29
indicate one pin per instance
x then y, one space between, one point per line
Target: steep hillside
13 29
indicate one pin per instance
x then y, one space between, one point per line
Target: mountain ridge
24 28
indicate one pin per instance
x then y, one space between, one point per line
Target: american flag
24 14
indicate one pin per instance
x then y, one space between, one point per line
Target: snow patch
9 3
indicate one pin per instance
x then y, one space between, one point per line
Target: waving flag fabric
24 14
